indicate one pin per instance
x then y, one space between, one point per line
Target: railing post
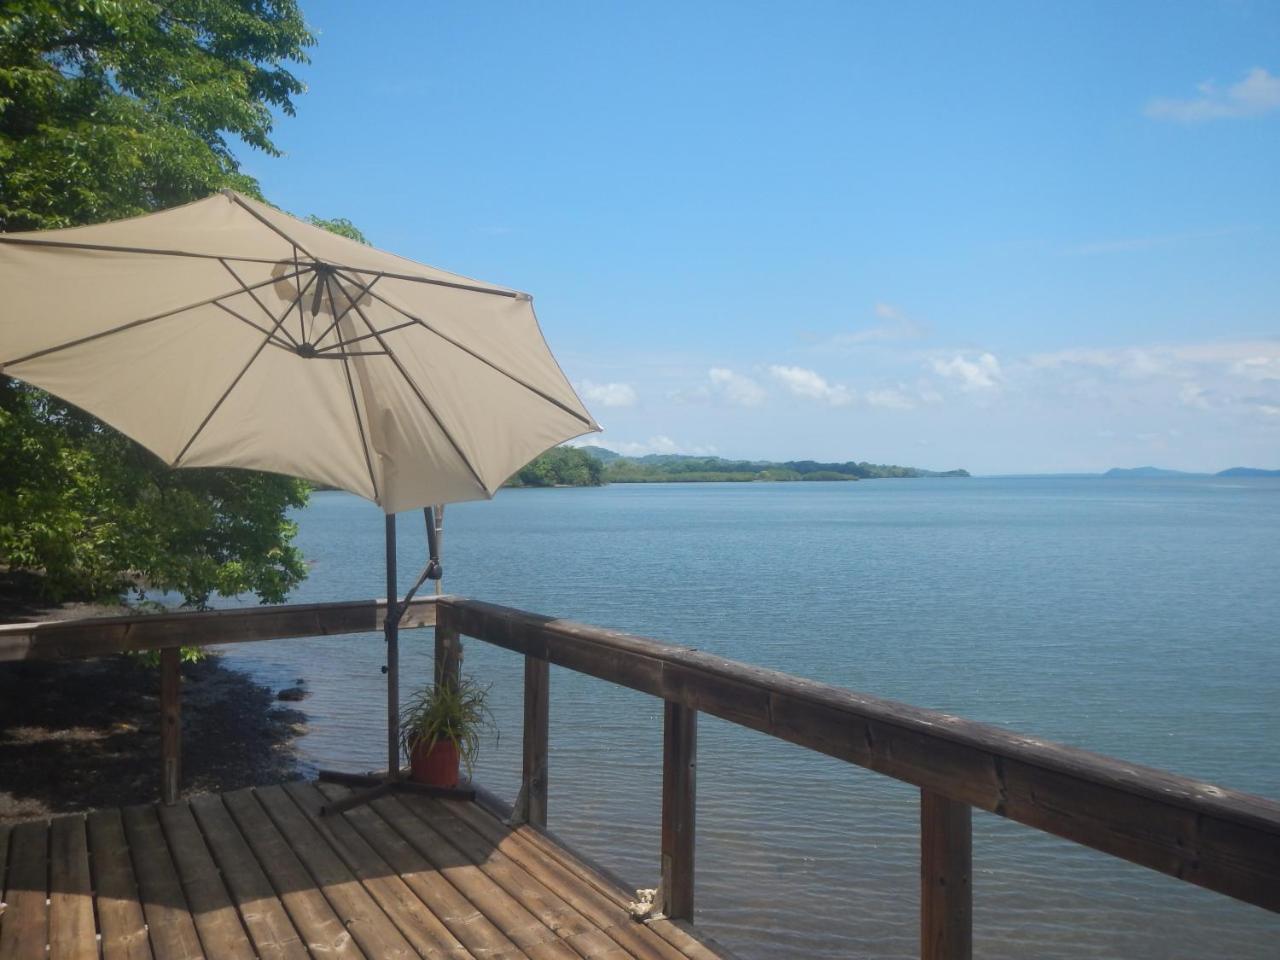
448 649
946 863
679 763
170 724
531 804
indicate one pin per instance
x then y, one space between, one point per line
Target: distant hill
1132 472
1247 472
685 468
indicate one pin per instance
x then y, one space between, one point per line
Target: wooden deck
259 873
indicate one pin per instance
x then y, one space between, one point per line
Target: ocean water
1138 618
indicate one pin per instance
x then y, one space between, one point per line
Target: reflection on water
1136 618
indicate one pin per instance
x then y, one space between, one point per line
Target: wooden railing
1220 839
170 632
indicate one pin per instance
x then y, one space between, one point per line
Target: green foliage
114 108
680 468
97 513
110 109
560 467
341 226
456 713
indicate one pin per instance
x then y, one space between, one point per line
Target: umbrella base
380 785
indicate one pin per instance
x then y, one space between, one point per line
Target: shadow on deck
260 873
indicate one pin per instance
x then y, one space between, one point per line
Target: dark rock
293 694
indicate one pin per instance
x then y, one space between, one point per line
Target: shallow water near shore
1137 618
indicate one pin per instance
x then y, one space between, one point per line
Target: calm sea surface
1135 618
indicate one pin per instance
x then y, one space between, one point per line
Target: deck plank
310 912
605 912
412 917
5 830
216 920
26 924
533 895
479 934
120 919
517 923
72 932
264 916
169 924
361 915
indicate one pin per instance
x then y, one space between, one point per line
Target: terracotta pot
436 767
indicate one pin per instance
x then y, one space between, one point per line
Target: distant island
1140 472
594 466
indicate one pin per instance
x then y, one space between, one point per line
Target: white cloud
737 388
660 443
1256 94
895 326
609 394
982 372
811 385
890 399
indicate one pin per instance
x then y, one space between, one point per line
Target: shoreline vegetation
597 466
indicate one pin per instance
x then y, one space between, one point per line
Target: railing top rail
102 636
1222 839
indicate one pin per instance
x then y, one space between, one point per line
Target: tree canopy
110 109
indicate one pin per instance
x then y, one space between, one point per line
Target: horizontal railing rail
1221 839
170 632
103 636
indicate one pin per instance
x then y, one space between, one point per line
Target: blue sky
1010 237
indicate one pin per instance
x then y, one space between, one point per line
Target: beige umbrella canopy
227 333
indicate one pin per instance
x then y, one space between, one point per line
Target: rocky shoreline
75 735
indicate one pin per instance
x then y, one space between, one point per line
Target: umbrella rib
235 198
245 369
111 248
337 316
256 299
267 333
379 274
489 363
417 392
365 336
126 326
351 390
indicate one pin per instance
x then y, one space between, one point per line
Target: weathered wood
516 923
311 914
543 903
26 922
264 916
169 924
5 830
946 891
448 658
607 913
531 803
170 724
120 919
412 917
469 926
1217 838
214 914
375 934
103 636
679 803
72 933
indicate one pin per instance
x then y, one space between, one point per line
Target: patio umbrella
227 333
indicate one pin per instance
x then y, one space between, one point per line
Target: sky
1008 237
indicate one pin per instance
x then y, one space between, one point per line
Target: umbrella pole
392 629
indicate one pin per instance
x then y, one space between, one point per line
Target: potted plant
441 726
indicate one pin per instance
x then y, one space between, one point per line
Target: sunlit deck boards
258 873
